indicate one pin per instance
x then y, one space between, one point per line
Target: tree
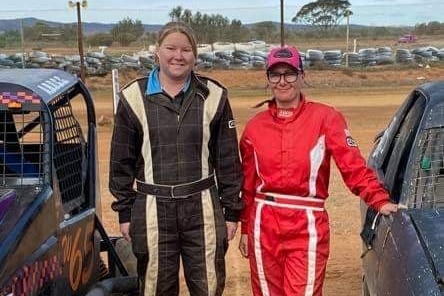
220 24
148 38
323 14
186 16
434 28
10 39
420 28
69 32
197 22
35 32
99 39
127 31
176 13
237 32
266 31
431 28
208 28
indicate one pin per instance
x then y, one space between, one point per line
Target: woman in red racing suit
286 153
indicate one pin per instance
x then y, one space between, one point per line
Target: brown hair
178 27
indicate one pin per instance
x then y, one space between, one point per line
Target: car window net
69 154
427 186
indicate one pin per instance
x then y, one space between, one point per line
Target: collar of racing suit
274 110
195 80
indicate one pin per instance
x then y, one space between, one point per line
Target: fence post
116 88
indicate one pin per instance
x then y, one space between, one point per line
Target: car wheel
365 291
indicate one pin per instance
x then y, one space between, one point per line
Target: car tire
365 291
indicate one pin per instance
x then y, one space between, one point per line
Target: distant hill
92 28
88 28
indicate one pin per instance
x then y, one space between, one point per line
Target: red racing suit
286 165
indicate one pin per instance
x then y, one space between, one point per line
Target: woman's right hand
243 245
124 229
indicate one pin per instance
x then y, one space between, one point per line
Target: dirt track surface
367 100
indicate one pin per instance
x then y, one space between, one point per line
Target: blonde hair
177 27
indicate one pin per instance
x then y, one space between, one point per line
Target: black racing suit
156 143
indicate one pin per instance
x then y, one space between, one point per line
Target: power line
32 10
116 9
256 7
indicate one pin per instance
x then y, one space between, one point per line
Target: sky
365 12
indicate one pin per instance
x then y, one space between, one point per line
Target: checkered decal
33 277
20 96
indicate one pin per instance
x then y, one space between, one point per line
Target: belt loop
269 198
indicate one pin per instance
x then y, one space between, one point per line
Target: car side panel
406 268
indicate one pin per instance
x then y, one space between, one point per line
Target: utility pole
78 6
22 42
282 23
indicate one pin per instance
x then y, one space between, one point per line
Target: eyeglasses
289 77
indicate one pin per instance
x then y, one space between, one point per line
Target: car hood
430 227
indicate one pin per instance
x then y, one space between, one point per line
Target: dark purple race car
404 253
51 236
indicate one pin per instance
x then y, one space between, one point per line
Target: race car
403 254
51 235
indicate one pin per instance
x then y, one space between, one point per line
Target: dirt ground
368 99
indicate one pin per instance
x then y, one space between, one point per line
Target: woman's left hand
388 209
231 229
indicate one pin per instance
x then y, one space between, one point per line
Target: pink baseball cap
288 55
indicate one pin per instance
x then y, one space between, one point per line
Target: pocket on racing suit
138 230
221 226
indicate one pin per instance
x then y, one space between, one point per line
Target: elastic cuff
379 204
244 228
124 216
231 215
